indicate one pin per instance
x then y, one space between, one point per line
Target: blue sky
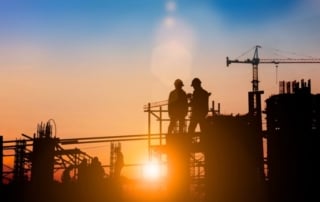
84 18
45 21
257 12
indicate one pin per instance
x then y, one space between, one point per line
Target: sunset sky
91 65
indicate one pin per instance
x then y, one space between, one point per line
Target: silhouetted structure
119 163
224 162
42 156
233 160
293 128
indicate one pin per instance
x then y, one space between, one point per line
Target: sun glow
151 171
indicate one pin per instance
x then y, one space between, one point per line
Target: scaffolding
20 160
193 146
115 148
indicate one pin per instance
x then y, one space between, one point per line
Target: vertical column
1 159
160 129
149 130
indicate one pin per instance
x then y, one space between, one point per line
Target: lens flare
171 6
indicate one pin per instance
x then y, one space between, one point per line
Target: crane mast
254 61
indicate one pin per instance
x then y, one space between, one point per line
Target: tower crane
255 95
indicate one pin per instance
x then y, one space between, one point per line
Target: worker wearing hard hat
177 108
199 103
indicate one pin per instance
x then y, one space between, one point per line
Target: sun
151 171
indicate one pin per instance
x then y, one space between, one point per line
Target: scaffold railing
155 104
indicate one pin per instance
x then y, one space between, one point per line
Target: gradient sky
91 65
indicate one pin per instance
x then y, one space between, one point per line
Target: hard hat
178 82
195 81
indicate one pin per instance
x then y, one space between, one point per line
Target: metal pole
160 125
149 130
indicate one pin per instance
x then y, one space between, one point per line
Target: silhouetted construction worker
199 102
177 107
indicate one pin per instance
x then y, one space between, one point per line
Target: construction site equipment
255 61
255 95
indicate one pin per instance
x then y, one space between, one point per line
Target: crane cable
246 52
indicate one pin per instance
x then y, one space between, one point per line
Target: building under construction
224 163
293 132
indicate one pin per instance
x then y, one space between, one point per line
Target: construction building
224 163
293 132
